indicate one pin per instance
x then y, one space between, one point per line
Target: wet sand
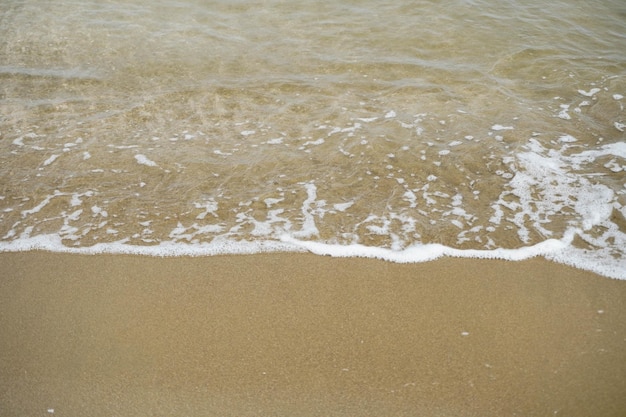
304 335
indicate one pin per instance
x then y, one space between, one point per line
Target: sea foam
558 250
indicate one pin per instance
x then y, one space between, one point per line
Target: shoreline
291 334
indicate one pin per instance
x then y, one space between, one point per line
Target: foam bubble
143 160
343 206
567 139
563 114
50 160
589 93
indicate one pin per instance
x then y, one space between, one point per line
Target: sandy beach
304 335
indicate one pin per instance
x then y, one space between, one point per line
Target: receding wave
382 131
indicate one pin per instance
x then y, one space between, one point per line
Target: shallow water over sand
177 125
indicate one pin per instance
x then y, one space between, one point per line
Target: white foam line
557 250
412 254
422 253
53 243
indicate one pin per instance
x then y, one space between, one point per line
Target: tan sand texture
304 335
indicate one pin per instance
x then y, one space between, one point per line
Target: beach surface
306 335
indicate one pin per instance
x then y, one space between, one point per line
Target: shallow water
358 128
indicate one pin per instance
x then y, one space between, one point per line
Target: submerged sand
304 335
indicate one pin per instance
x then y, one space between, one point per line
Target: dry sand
303 335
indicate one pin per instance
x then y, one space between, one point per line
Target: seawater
399 130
